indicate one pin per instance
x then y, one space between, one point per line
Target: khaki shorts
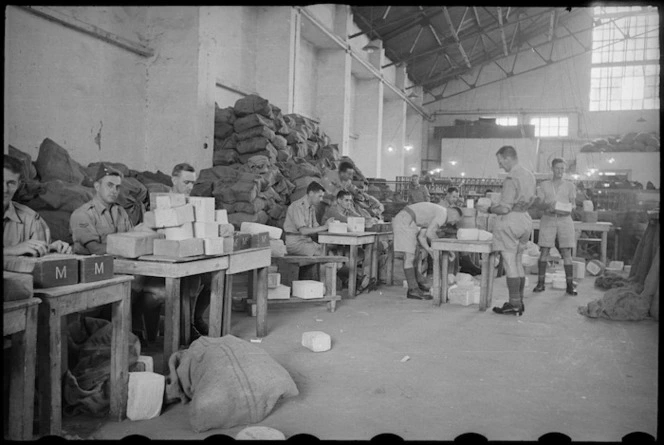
512 231
302 245
561 226
405 233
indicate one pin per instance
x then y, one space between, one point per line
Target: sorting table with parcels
580 226
20 321
352 239
442 247
57 302
173 270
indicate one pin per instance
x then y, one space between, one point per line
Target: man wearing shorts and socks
513 226
415 223
556 223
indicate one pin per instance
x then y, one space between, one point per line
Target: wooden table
256 261
20 321
173 270
580 226
442 247
353 240
57 302
389 273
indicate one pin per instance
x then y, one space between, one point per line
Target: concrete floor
505 377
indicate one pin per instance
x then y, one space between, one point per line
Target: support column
333 98
369 126
275 60
394 123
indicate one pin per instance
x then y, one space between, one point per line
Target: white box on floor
204 229
280 292
462 295
147 362
308 289
145 395
316 341
203 208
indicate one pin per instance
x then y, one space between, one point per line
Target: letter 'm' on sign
60 274
99 268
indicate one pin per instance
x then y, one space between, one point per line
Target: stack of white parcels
280 292
206 226
173 217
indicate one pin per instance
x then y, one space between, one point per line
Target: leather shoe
509 309
571 291
417 294
539 287
423 287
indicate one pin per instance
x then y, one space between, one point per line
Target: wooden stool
289 268
20 321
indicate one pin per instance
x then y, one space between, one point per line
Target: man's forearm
312 230
96 248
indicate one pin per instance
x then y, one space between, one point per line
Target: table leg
352 274
444 264
50 386
435 290
172 322
605 239
216 302
492 268
120 355
368 262
577 234
484 286
185 312
22 380
261 302
616 240
228 302
390 263
374 260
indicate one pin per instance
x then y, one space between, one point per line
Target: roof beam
463 18
387 11
477 17
422 21
552 24
514 34
456 37
417 39
502 30
470 35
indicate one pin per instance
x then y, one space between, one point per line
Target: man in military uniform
95 220
419 222
301 223
417 192
183 178
451 198
343 208
556 223
513 225
24 231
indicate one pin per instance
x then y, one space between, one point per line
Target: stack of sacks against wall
174 217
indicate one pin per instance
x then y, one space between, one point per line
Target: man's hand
30 247
327 223
60 247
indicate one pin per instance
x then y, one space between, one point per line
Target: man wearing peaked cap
92 222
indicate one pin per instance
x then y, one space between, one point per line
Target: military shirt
93 221
21 224
300 214
565 192
339 213
518 189
418 193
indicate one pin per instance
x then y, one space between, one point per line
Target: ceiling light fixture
612 160
413 169
408 147
390 148
453 162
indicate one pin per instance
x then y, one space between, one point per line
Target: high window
625 59
507 120
550 126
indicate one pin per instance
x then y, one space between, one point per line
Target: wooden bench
289 268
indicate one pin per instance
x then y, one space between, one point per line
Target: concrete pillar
394 123
178 127
368 120
333 98
413 137
277 40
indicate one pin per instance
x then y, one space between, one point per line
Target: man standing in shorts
513 226
556 223
417 223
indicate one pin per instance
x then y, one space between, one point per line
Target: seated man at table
301 223
24 231
419 222
451 198
183 178
556 224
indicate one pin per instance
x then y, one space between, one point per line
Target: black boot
509 309
541 275
414 291
569 276
421 281
515 305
